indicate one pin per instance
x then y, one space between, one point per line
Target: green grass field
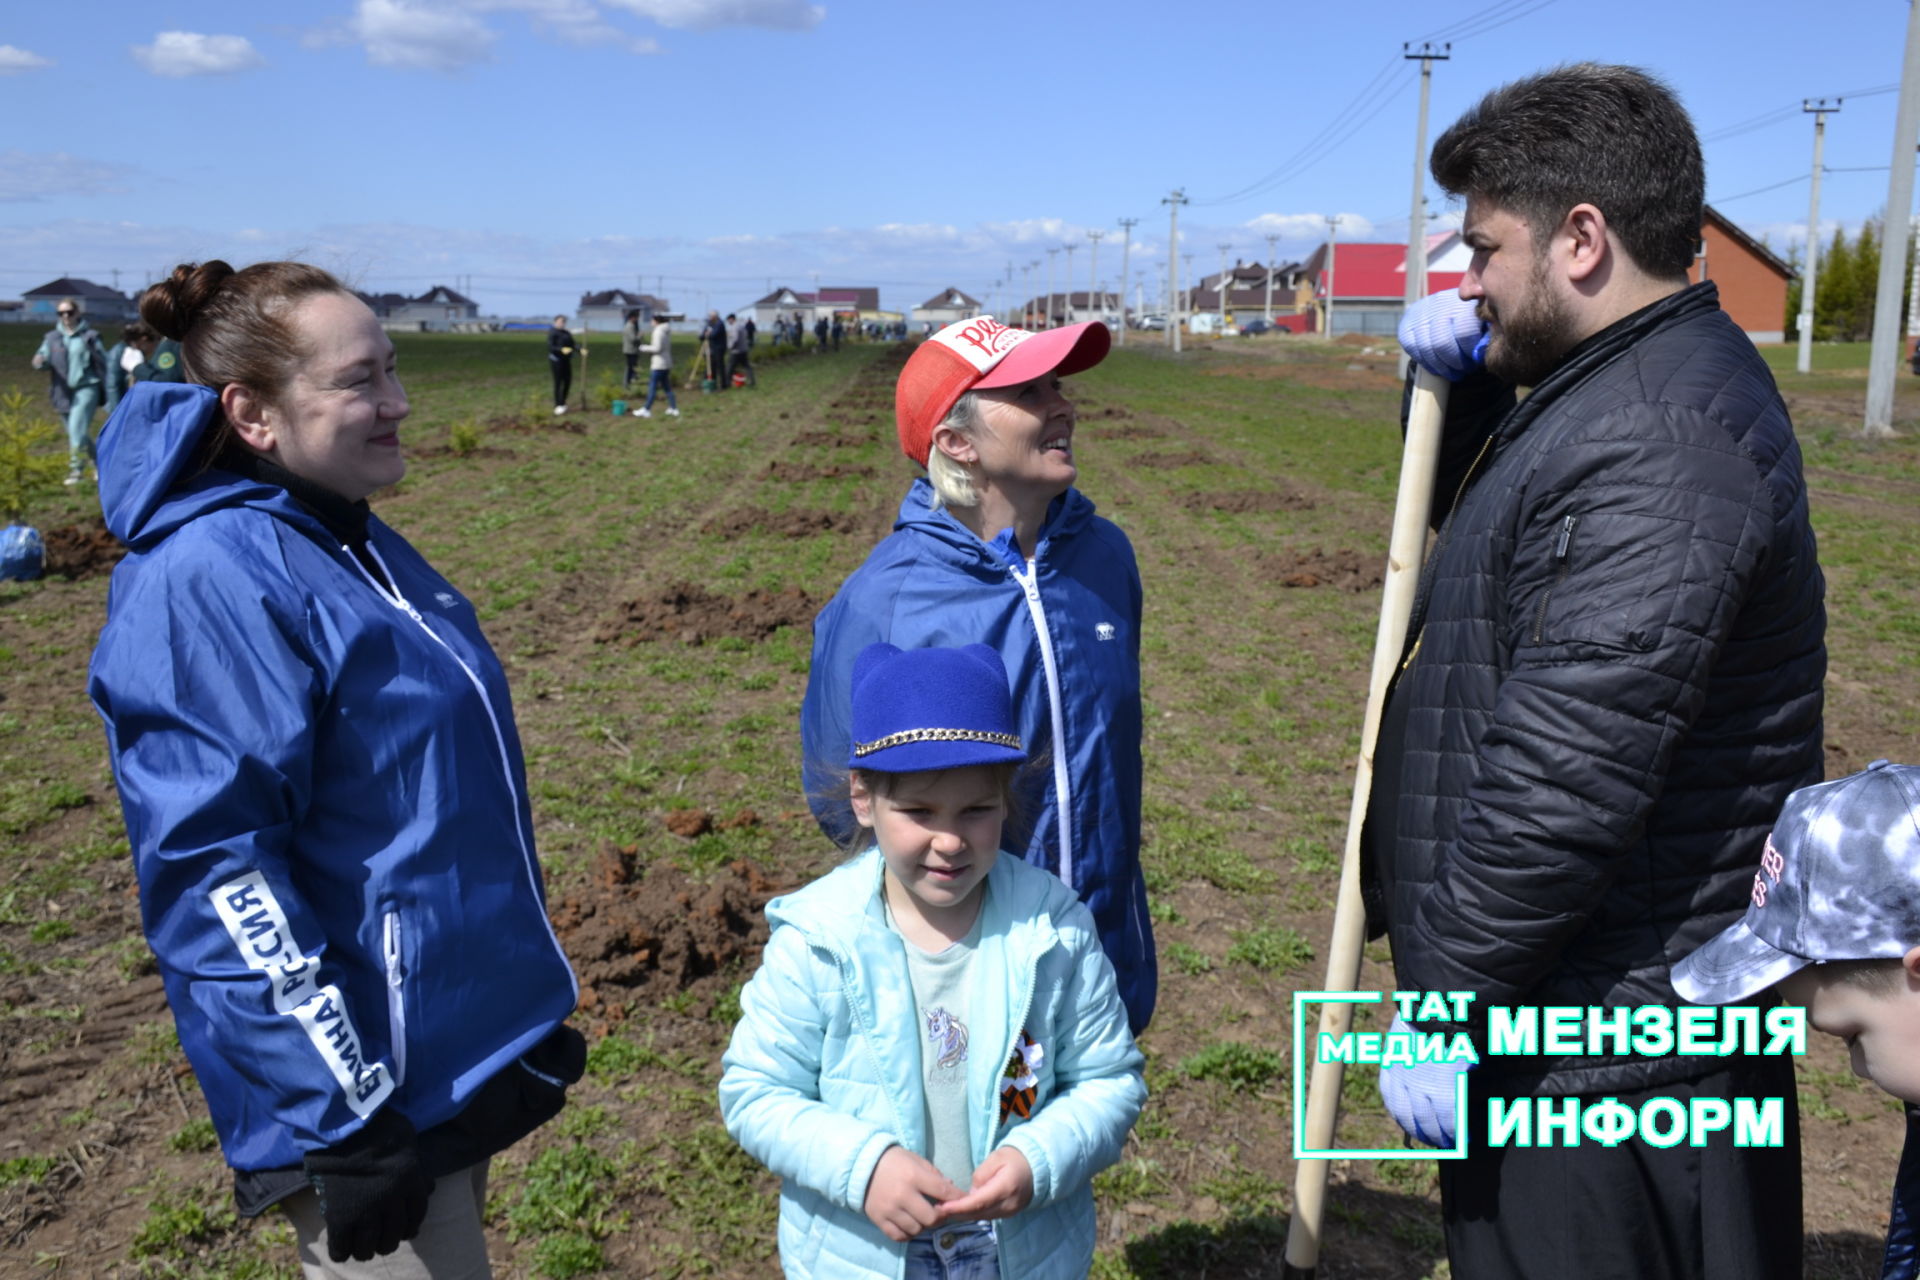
1254 478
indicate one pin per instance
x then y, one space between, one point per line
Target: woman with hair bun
323 786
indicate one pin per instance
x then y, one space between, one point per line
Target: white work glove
1421 1097
1444 336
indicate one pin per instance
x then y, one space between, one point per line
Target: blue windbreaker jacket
326 801
1069 632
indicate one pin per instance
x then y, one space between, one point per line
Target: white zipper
1063 799
396 996
399 601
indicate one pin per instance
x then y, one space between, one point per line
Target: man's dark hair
1614 137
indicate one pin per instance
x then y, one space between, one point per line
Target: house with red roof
1367 283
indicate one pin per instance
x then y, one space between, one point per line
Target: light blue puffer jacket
824 1072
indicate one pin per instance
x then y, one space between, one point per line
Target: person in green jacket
76 365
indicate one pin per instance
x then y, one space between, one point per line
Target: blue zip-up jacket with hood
824 1071
1068 629
325 798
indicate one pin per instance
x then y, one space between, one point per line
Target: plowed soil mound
833 439
82 550
1342 570
1166 461
694 615
1243 501
657 930
798 472
782 524
1102 413
1133 431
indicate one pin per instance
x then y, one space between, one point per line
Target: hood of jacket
146 450
1067 515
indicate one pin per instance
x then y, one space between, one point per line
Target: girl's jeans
660 380
964 1252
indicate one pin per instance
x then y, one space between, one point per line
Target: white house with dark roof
946 307
607 310
437 310
99 304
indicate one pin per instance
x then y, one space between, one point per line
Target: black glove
373 1190
521 1096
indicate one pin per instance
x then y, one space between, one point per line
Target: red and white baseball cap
970 355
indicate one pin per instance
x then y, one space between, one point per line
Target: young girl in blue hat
933 1055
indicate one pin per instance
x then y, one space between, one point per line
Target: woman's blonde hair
952 482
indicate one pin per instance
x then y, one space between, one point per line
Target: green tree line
1849 271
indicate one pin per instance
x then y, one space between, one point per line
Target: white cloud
189 53
1310 226
410 36
446 35
27 176
706 15
14 60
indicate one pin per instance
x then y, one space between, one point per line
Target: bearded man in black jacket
1613 681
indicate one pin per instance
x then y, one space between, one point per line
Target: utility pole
1820 107
1333 223
1417 216
1093 271
1885 358
1067 302
1009 315
1173 202
1272 254
1187 305
1026 296
1048 323
1126 253
1225 248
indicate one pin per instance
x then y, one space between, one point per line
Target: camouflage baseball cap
1839 879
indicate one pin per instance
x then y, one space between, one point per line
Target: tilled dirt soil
693 615
82 550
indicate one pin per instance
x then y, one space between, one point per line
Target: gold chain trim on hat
936 735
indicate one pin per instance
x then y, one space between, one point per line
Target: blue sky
710 147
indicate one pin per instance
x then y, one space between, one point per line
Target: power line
1495 14
1294 163
1766 118
1719 199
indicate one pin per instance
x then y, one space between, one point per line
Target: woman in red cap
995 546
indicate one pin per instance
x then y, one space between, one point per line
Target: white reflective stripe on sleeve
1062 793
260 931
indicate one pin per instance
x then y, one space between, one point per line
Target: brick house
1752 279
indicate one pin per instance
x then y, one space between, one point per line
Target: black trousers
633 365
717 366
562 379
736 362
1717 1212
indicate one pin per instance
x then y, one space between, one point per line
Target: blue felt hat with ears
916 710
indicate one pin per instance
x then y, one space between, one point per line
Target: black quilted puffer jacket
1615 681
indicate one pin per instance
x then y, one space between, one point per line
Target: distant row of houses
439 308
1364 286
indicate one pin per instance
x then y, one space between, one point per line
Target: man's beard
1535 334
